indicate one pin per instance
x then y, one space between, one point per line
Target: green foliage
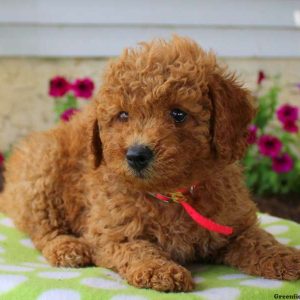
267 106
7 153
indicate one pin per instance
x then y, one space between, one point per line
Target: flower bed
67 95
272 163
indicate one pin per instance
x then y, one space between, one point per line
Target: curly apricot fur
72 191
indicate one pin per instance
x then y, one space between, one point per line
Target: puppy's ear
96 145
233 111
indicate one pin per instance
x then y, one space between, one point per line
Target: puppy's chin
141 180
153 179
147 181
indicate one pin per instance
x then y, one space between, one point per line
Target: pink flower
261 77
83 88
67 114
282 164
58 86
252 130
269 145
287 112
290 126
1 159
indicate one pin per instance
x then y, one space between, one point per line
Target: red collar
180 197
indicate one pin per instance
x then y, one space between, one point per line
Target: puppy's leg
67 251
51 234
256 252
45 223
144 265
33 198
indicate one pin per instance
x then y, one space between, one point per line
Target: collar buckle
177 197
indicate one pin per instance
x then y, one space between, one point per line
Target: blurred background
45 45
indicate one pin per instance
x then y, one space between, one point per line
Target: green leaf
71 101
266 107
251 180
297 166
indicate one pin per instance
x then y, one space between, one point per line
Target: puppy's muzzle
138 157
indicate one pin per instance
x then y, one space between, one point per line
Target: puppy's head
167 115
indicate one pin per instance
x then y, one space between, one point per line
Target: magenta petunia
290 126
83 88
282 164
269 145
1 159
260 77
252 137
67 114
58 86
287 112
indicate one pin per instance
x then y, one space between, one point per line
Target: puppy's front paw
67 251
161 275
288 266
284 264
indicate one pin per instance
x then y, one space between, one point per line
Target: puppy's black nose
138 157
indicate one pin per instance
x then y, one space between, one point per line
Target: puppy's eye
123 116
178 115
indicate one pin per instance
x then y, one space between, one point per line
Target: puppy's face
157 117
155 141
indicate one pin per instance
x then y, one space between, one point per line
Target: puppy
167 124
